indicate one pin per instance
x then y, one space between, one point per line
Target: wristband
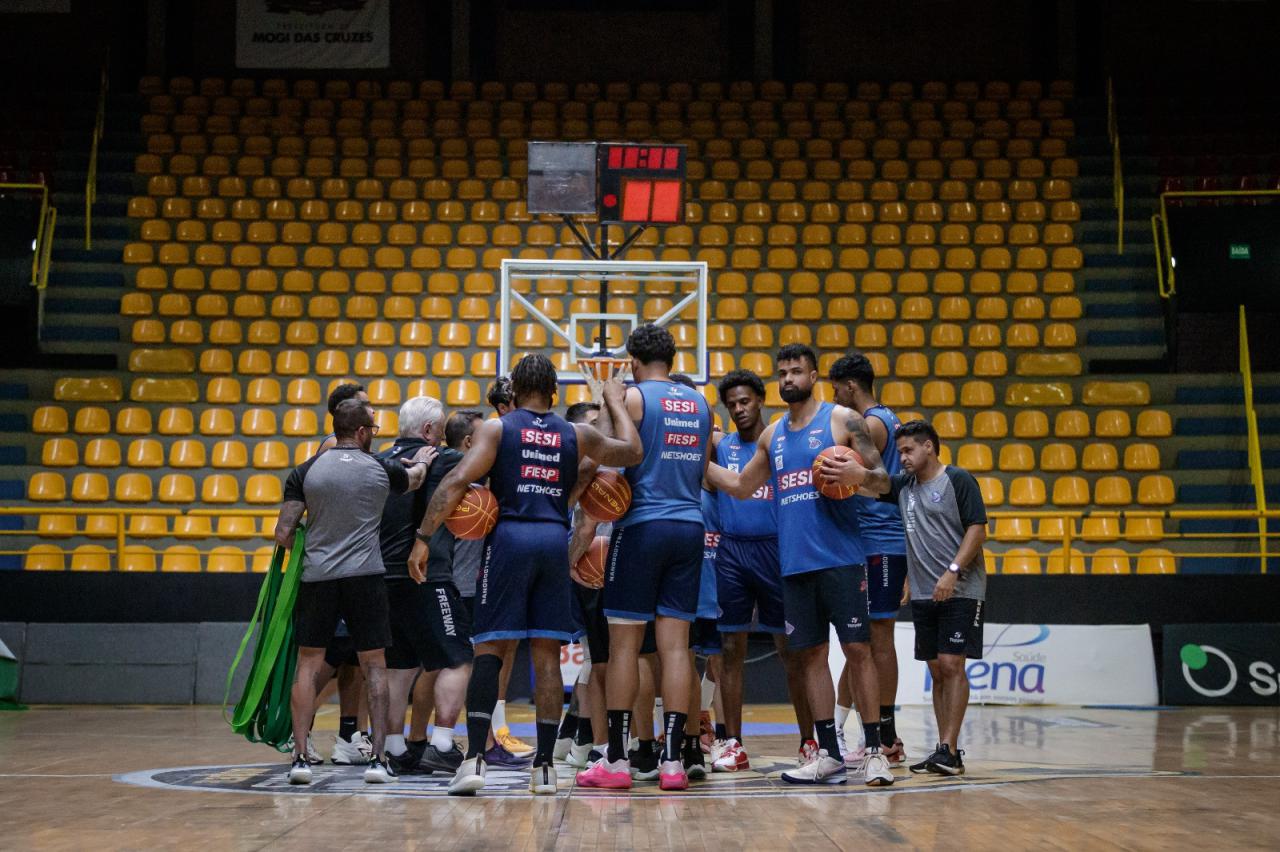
422 537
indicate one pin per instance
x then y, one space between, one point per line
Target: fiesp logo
1195 658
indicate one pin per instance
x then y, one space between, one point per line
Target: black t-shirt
402 514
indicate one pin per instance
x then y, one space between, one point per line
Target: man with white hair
429 627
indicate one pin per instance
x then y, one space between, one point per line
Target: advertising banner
1222 664
313 33
1040 664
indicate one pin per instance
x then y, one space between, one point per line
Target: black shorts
835 597
360 601
951 627
430 626
470 603
595 626
704 637
341 651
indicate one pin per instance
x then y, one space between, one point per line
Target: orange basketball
591 565
474 517
835 492
607 497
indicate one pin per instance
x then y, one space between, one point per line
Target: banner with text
1039 664
1222 664
313 33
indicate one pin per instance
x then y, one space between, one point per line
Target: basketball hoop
603 367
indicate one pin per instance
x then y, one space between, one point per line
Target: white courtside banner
313 33
1039 664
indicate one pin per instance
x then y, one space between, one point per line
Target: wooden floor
1058 778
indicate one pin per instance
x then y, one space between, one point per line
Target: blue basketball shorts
749 585
523 590
886 574
655 568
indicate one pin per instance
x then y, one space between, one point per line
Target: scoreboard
640 184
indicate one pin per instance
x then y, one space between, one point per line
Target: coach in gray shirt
945 523
342 491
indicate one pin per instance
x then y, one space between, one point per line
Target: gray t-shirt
466 564
935 515
344 490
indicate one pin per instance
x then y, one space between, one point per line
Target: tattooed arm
850 429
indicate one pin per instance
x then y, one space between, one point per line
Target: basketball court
1056 777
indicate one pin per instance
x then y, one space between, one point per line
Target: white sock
708 692
499 716
395 744
842 716
442 738
603 748
657 710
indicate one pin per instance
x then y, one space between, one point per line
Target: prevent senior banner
1039 664
313 33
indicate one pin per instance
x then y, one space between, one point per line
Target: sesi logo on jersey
539 438
764 492
533 471
794 479
679 406
681 439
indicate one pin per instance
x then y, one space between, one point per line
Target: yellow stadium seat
974 457
1027 491
47 487
1112 423
180 558
1099 457
301 422
219 488
1109 560
176 488
992 490
1070 491
90 557
1017 457
990 425
1154 423
1156 560
102 452
56 526
1100 528
89 488
1072 564
226 560
462 392
934 394
192 526
1156 490
133 488
138 558
44 557
49 420
1020 560
1141 457
60 452
1012 529
1134 393
1057 458
263 488
950 425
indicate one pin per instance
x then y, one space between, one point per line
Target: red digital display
650 200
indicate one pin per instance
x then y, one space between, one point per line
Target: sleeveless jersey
676 432
755 517
881 523
708 599
536 467
814 532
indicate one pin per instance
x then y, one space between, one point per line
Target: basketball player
853 380
505 748
343 491
946 525
531 456
824 582
430 628
655 556
749 576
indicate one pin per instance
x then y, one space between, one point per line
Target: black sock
546 742
827 737
872 733
482 697
619 730
569 727
346 727
721 733
584 733
888 727
673 722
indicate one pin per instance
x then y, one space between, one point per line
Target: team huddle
798 528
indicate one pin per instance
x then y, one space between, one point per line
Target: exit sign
1240 251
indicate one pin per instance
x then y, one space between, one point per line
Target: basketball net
599 369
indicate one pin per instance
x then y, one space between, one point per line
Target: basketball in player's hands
590 566
607 497
475 516
834 491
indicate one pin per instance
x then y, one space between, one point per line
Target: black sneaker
300 770
435 760
946 763
695 767
379 772
923 766
407 763
644 761
594 755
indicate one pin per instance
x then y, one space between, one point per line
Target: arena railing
1255 445
1069 537
1166 268
91 181
1117 167
43 244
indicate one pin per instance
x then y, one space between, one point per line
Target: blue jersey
675 431
881 523
536 467
708 599
756 517
814 532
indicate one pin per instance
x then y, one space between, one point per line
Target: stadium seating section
293 235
